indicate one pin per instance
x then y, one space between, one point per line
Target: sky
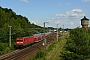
67 13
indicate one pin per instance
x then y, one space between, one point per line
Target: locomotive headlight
43 44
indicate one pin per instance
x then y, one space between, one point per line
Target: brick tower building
85 23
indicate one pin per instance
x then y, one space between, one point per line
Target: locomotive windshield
19 40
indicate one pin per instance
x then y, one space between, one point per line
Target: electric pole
45 38
57 32
9 36
63 30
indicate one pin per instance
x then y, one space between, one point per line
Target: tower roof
84 18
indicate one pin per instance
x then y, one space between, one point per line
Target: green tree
21 26
4 35
77 46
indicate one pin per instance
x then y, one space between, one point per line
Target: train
34 38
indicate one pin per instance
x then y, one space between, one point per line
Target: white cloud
25 0
72 13
35 21
52 18
85 0
60 4
67 4
77 10
71 23
57 22
70 19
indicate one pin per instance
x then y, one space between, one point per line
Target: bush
51 47
33 58
77 45
4 48
40 54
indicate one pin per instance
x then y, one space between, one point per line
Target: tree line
21 26
78 45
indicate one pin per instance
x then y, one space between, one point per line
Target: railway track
21 53
17 54
8 54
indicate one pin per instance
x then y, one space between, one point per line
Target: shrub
77 46
40 54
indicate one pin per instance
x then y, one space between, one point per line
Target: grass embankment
52 52
55 52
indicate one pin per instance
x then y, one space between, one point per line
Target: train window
19 40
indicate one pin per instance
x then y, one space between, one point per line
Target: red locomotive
26 41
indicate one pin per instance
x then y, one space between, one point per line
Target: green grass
53 51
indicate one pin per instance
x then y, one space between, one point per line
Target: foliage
40 54
51 46
77 45
4 48
21 26
4 35
33 58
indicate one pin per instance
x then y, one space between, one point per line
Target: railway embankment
53 50
54 54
